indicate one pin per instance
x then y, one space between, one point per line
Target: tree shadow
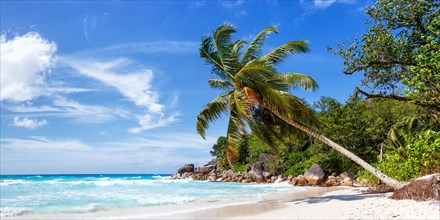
328 198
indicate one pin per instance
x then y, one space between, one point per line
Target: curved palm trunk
384 178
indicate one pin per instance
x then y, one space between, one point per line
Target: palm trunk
384 178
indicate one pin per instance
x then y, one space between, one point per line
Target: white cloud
38 144
150 121
322 4
153 47
87 113
149 154
62 107
28 123
89 24
24 59
195 5
134 84
26 62
231 4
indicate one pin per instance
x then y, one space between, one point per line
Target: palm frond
210 113
222 41
280 53
220 84
210 56
256 70
235 134
255 46
295 80
232 57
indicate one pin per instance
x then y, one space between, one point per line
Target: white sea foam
9 211
12 182
89 208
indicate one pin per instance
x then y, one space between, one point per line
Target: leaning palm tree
257 97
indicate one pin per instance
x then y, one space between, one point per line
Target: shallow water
82 194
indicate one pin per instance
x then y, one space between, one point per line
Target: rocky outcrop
187 168
254 173
314 175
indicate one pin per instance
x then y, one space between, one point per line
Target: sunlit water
52 194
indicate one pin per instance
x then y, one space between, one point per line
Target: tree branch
380 62
398 98
368 95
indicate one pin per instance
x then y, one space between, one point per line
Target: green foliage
300 163
401 47
256 147
240 168
420 157
360 125
274 166
219 149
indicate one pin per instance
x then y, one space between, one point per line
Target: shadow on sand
353 197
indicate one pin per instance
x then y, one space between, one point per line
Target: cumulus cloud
28 123
24 59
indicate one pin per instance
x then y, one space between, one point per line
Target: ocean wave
12 182
89 208
10 211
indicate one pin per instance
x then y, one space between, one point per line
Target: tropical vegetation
395 124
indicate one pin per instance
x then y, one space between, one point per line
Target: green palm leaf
210 113
295 80
280 53
220 84
255 47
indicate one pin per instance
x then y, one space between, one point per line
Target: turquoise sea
23 195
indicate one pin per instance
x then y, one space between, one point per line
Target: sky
107 87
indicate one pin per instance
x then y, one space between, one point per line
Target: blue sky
114 87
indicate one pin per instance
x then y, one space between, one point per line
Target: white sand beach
351 204
336 203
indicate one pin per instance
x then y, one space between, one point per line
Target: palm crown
255 95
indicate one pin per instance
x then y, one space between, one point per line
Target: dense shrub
420 157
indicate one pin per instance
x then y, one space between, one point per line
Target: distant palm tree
256 95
